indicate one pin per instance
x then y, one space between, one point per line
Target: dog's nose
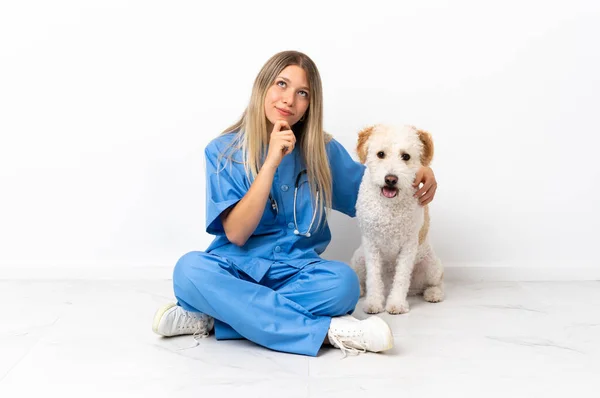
391 180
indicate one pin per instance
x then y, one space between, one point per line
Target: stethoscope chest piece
306 234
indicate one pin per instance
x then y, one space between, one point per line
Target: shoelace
343 344
197 337
201 324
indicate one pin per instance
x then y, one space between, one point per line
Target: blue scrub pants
289 310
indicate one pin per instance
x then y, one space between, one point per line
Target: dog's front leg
375 300
396 301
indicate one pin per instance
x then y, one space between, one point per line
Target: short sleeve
226 184
346 175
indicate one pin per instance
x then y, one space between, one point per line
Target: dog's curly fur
395 248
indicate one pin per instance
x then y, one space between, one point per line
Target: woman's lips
283 113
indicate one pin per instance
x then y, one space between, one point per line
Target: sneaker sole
158 316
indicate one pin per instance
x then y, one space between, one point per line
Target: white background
106 107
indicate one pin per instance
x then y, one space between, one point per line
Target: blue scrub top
274 239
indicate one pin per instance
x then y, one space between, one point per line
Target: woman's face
288 98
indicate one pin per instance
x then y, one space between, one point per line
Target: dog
394 226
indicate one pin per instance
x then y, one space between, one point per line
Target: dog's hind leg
357 263
434 277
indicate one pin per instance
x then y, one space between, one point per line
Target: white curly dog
393 225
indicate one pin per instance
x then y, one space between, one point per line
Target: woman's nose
288 99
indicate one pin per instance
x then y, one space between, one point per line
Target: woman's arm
346 176
241 220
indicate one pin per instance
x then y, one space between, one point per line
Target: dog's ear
361 146
427 154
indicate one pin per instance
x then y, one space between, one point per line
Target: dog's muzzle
389 190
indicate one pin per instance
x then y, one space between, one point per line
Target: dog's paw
373 306
433 294
397 307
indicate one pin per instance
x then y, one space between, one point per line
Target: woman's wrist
269 166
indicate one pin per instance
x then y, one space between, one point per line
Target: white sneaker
354 336
172 320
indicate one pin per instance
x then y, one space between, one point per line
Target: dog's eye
381 154
405 156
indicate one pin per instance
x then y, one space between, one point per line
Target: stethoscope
276 208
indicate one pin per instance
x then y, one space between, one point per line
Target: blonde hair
253 138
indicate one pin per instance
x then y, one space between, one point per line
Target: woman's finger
418 178
426 187
288 146
423 200
278 126
284 125
428 197
288 135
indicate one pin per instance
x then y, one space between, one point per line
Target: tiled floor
94 339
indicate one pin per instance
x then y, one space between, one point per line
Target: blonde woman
270 179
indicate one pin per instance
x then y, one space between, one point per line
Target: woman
270 179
